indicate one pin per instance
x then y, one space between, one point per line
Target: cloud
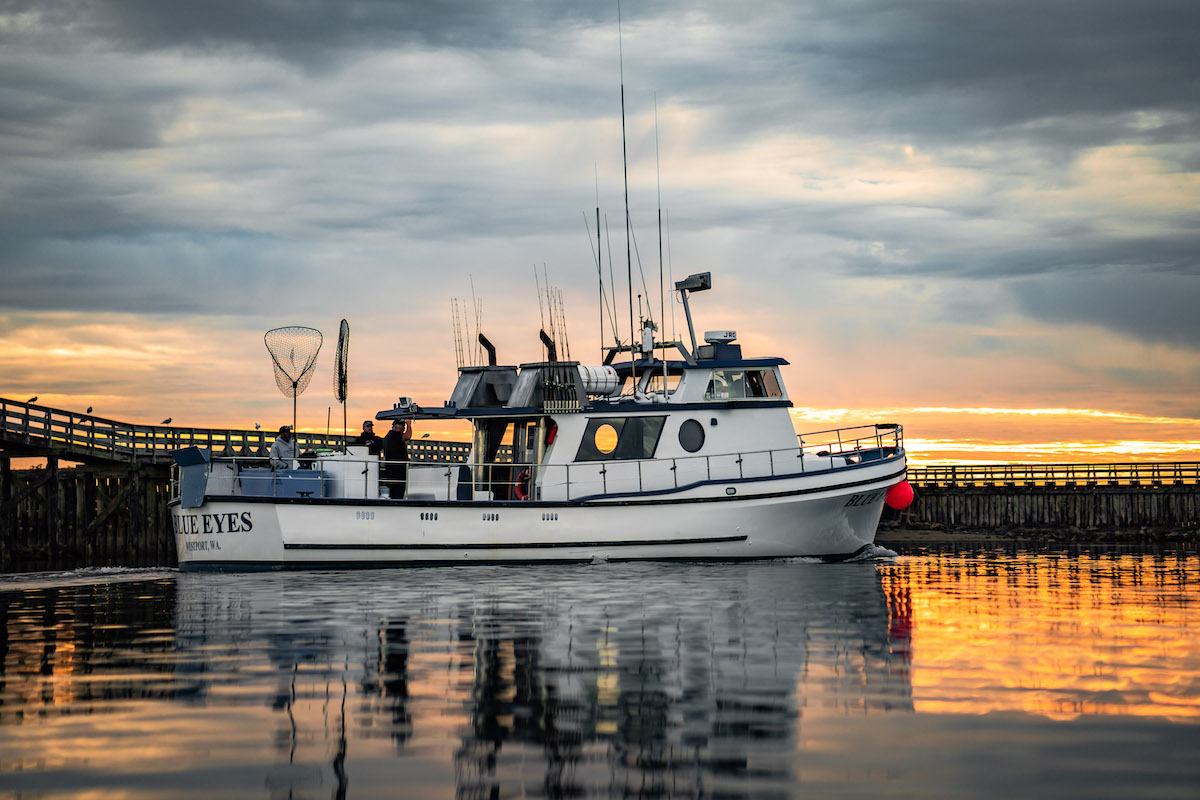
1150 306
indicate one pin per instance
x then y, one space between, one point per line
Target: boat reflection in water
666 680
980 673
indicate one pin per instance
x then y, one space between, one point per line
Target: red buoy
899 496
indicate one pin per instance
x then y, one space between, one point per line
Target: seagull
424 435
166 421
89 410
32 399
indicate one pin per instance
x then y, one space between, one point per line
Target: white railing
339 475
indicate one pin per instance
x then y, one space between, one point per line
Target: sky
978 220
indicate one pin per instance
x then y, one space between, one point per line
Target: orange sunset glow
1043 636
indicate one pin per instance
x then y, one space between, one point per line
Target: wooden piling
86 517
1173 506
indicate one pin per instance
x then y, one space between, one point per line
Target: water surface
986 673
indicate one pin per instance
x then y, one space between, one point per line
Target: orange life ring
521 486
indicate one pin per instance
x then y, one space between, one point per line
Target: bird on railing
32 399
166 421
257 426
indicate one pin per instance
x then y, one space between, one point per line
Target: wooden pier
1157 496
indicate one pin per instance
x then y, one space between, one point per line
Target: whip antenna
625 163
294 350
341 364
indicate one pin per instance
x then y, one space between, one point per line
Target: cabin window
736 384
654 381
613 438
691 435
762 383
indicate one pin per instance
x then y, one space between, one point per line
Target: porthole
691 436
606 439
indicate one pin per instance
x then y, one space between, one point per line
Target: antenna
600 275
671 275
341 363
294 351
612 284
662 303
625 167
599 270
662 300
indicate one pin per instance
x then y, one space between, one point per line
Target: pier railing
30 429
1068 475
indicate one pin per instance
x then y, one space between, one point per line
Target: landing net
294 350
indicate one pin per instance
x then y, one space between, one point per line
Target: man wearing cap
368 437
395 456
283 451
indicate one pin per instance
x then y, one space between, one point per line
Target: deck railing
1069 475
826 451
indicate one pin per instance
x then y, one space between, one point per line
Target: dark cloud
1148 306
1086 253
1023 59
1066 74
311 33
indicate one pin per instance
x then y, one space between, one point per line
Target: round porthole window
691 436
606 439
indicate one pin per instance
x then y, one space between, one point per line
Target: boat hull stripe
512 545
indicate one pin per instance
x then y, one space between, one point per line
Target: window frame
634 433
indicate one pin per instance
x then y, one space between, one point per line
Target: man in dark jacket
395 456
374 443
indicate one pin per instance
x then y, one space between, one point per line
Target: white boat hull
833 515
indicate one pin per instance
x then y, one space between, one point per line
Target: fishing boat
682 451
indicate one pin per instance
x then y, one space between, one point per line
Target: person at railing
373 441
283 450
395 456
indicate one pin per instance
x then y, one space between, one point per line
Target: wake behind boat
691 458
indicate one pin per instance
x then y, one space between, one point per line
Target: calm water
980 673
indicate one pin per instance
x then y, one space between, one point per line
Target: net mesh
294 350
341 362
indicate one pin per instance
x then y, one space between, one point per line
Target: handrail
590 479
1011 475
69 433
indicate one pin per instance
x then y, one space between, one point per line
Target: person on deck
395 449
283 451
368 437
